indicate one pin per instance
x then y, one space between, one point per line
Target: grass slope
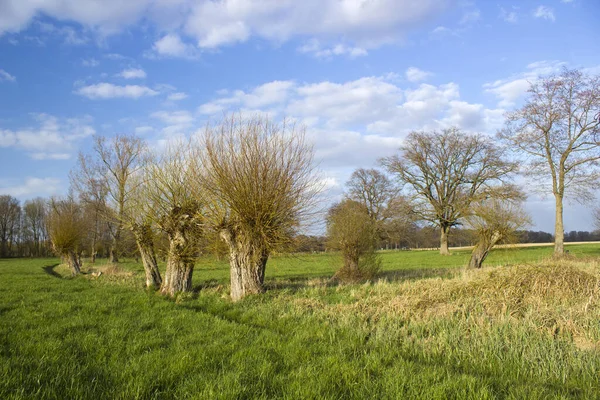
429 331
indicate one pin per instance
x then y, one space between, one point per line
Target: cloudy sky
359 74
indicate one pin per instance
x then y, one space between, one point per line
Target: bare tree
495 219
10 214
373 189
34 224
352 230
66 228
390 211
105 179
556 131
446 172
260 182
176 210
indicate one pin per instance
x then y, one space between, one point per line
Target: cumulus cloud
5 76
355 122
33 187
171 45
212 24
51 139
414 74
511 89
544 12
109 91
133 73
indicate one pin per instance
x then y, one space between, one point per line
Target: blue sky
359 74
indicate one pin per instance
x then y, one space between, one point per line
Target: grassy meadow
524 327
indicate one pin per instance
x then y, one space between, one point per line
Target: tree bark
178 277
247 262
145 243
113 256
73 262
444 240
180 267
559 231
482 249
153 278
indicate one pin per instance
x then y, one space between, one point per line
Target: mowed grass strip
427 329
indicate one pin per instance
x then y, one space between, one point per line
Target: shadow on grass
49 269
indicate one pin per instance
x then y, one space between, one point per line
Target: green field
425 329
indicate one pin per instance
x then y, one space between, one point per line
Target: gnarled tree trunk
73 262
247 262
145 244
444 229
482 249
180 266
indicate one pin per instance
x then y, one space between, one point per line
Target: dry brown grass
559 297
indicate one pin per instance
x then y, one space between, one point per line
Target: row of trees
247 185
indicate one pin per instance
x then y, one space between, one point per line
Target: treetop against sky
360 75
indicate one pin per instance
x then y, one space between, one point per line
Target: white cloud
5 76
212 24
355 122
544 12
511 89
171 45
109 91
414 74
52 138
509 16
314 48
33 186
133 73
90 62
177 96
181 117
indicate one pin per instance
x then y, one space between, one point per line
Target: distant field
426 330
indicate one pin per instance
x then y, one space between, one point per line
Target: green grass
427 330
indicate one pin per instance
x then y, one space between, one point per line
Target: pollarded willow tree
446 171
495 219
352 230
259 179
66 228
557 131
176 208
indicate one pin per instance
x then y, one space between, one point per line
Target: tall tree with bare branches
446 171
260 182
105 178
557 132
